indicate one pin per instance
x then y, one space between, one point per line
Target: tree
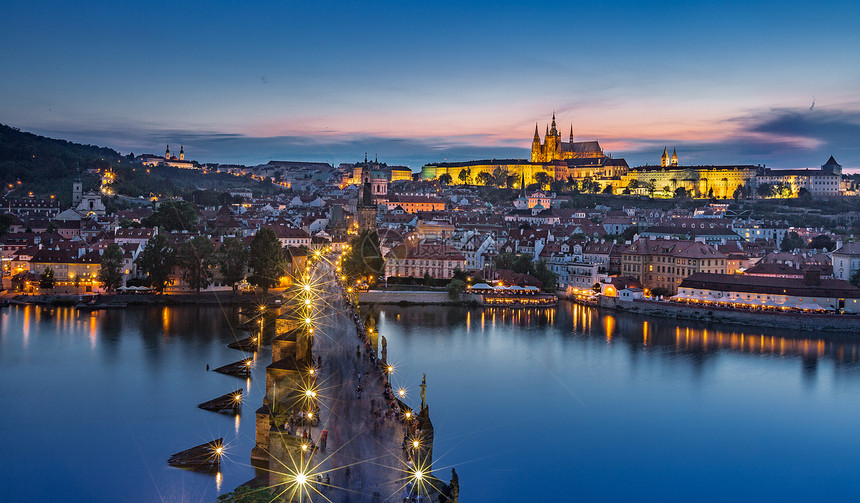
46 279
629 233
157 260
485 178
804 194
245 494
455 288
542 179
52 227
173 216
680 193
445 179
523 264
364 257
607 189
822 241
232 258
855 278
711 193
195 259
5 223
500 176
110 273
660 292
548 278
504 260
790 242
783 190
511 181
588 185
464 175
266 259
764 190
739 192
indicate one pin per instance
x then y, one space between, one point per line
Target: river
554 405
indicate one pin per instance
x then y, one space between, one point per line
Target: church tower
674 161
664 159
553 142
571 136
181 153
167 153
77 189
536 153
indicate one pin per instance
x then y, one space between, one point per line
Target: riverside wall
794 321
414 297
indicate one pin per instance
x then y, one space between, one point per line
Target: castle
552 148
557 159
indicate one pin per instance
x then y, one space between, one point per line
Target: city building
826 181
698 181
846 261
431 258
168 159
660 263
809 293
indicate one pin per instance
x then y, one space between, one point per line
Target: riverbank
723 315
204 298
415 297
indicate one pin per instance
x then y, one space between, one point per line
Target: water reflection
124 383
638 332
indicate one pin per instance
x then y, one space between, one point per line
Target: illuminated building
168 159
810 293
424 258
552 148
699 181
664 263
826 181
414 204
558 159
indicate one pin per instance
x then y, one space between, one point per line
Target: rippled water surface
571 404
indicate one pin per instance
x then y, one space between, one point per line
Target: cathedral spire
553 129
537 136
571 133
664 159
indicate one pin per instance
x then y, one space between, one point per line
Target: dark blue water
94 405
577 405
561 405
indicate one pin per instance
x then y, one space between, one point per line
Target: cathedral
553 149
557 159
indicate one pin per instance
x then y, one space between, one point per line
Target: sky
775 83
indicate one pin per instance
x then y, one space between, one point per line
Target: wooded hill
48 166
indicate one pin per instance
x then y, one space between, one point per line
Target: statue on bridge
423 392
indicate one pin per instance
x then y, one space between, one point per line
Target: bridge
331 428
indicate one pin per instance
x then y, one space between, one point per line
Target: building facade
408 260
661 263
